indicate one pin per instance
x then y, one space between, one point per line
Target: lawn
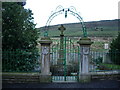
80 33
111 66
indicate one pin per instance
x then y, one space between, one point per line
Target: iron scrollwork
60 10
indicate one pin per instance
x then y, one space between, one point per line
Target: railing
27 61
20 61
104 61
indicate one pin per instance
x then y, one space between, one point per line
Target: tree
19 35
114 51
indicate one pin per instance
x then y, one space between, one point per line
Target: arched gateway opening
60 10
66 60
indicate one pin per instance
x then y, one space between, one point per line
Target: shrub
114 51
18 60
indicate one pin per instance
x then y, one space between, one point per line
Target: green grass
111 66
102 33
109 28
77 32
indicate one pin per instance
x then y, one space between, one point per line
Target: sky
89 10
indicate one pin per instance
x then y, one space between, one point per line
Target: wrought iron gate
64 59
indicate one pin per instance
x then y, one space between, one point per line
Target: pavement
93 84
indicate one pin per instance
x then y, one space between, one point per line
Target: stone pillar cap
85 41
45 40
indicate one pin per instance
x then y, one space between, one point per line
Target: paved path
93 84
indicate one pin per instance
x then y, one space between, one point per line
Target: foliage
19 32
60 70
97 61
114 51
21 3
111 66
18 28
19 60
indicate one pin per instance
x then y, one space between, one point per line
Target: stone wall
24 78
37 78
106 77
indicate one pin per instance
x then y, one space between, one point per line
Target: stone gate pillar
45 75
84 75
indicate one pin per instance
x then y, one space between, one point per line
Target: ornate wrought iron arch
60 10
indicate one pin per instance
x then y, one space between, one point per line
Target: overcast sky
90 10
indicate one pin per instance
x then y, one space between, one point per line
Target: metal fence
27 61
20 61
104 61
